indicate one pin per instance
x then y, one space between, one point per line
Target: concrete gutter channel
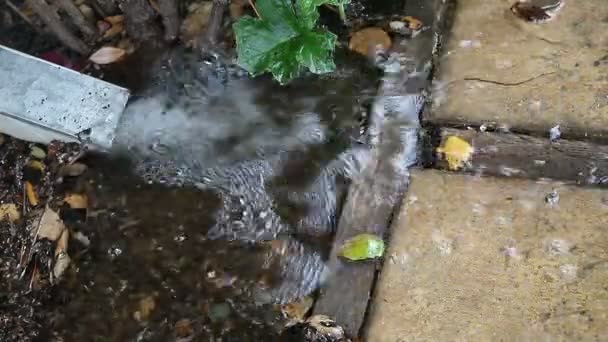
40 102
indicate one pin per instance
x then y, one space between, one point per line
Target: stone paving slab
487 41
485 259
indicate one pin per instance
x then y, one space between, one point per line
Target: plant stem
342 13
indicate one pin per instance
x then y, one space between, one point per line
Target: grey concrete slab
483 259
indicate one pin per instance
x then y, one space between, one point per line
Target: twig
79 19
508 84
209 37
17 11
52 21
170 15
254 9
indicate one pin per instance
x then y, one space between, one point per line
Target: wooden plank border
377 193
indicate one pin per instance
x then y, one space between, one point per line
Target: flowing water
217 202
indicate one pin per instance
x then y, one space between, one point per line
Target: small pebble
552 198
554 133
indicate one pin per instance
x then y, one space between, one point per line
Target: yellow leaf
77 201
36 165
457 152
369 40
9 210
32 197
107 55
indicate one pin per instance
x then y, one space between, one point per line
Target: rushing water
217 202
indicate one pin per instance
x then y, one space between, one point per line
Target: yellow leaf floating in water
362 247
457 152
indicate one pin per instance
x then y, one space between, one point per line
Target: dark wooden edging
523 156
375 195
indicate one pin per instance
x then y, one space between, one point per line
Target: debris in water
9 211
552 198
457 152
554 133
537 11
469 43
362 247
317 328
146 307
296 311
183 328
369 41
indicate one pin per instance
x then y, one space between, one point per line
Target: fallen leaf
127 45
9 211
370 40
113 31
107 55
183 328
35 164
195 22
236 8
32 197
412 23
362 247
37 152
297 310
103 26
87 11
457 152
77 201
146 306
115 19
62 262
72 170
62 243
51 225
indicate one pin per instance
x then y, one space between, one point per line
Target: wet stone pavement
483 258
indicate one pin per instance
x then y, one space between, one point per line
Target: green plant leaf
362 247
284 39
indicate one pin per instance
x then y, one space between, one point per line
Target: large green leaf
283 39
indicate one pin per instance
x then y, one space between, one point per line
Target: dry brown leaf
195 22
183 328
107 55
369 40
412 23
237 7
146 306
51 225
115 19
127 45
32 196
297 310
9 211
113 31
77 201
